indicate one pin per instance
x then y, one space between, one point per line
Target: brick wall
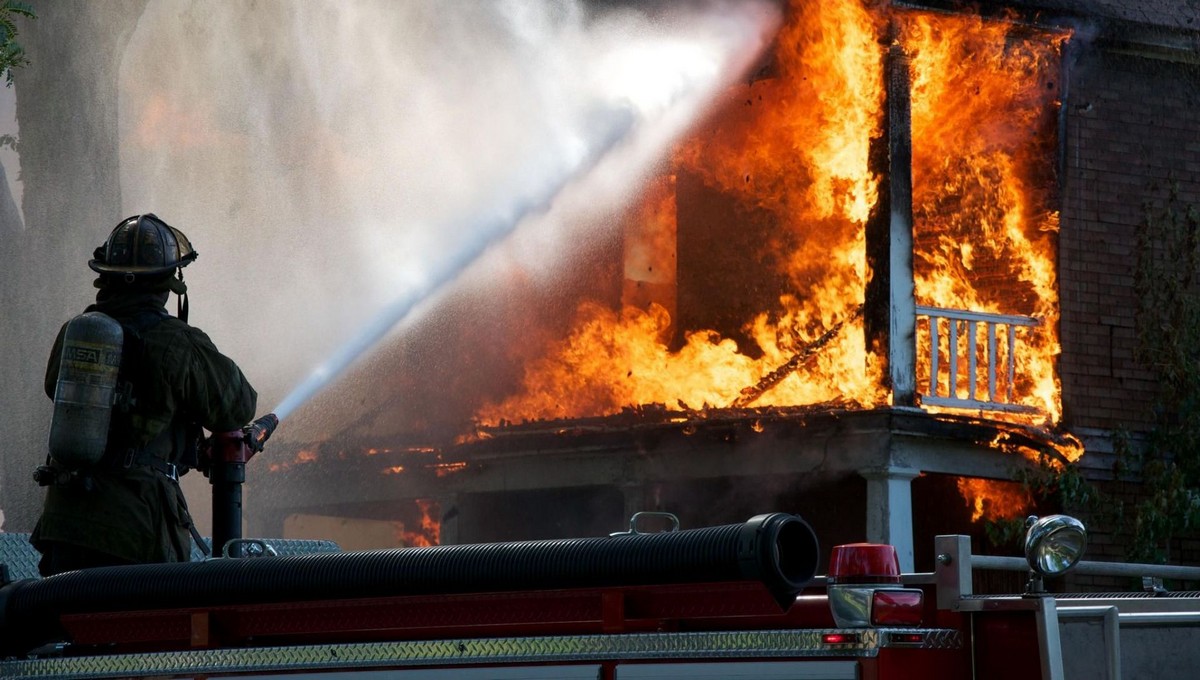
1132 128
1106 544
1131 131
1153 13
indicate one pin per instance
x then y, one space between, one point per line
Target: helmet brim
102 268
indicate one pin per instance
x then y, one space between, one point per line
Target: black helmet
143 246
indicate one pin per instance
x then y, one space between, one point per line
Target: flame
429 532
796 153
983 123
444 469
302 457
1069 449
993 499
439 469
801 156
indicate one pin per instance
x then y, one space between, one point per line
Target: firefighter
127 508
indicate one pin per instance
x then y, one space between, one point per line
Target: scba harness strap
146 459
171 452
122 450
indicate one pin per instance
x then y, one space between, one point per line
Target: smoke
499 219
336 164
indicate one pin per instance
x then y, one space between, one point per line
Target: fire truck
734 601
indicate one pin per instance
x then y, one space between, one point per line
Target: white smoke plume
326 157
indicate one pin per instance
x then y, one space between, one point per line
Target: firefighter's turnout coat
134 508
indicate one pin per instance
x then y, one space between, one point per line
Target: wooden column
889 510
448 509
889 305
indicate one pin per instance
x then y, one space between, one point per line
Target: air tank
87 383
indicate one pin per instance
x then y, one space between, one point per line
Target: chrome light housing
1054 544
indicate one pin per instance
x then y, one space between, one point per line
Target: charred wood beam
751 394
890 307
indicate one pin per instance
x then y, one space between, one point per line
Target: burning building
887 269
854 291
839 296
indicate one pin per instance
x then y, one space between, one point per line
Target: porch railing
993 398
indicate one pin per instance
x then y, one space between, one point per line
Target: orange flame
1068 450
983 121
430 531
444 469
796 152
801 155
303 457
993 499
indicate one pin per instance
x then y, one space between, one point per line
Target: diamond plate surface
699 645
283 546
935 638
19 555
22 559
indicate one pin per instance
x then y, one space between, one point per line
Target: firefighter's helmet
143 246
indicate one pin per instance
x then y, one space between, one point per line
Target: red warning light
906 639
897 607
864 563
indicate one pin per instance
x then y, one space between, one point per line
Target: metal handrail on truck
1153 606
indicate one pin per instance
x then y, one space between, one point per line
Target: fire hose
779 550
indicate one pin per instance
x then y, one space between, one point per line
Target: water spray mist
489 226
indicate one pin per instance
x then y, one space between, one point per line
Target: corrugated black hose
779 549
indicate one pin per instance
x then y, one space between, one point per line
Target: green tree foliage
1055 485
1167 282
12 55
1163 465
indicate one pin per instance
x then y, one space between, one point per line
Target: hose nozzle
258 432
